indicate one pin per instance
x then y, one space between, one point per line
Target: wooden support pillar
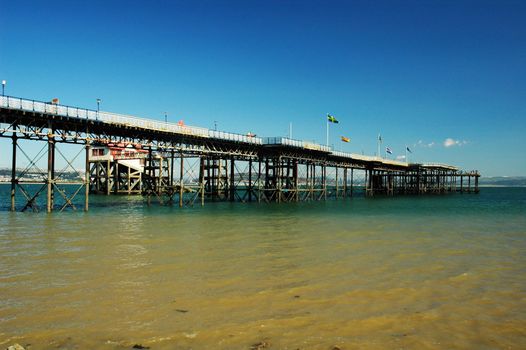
287 183
53 173
268 179
313 183
202 179
87 178
108 179
352 180
171 178
50 179
371 182
213 179
221 186
344 182
232 192
13 173
277 175
307 180
97 174
324 174
208 185
391 184
160 177
128 180
296 182
250 180
181 176
259 180
365 183
337 187
115 177
418 190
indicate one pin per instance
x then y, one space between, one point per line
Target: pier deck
188 164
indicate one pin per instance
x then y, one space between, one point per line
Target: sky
446 78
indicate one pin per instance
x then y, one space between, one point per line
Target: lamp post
3 87
98 108
215 125
165 117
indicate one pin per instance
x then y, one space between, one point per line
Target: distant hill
503 181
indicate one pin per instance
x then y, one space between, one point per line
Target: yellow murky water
288 276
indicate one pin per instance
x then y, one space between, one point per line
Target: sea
408 272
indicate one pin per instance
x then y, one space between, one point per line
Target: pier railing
182 129
284 141
151 124
369 158
121 119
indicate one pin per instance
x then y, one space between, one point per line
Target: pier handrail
369 158
121 119
18 103
439 165
285 141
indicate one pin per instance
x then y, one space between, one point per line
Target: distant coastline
503 181
78 177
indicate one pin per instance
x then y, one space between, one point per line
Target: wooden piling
181 176
232 189
49 203
13 173
87 177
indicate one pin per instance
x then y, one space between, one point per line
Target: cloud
400 157
449 142
421 143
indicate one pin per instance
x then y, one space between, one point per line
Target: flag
346 139
388 150
332 119
408 150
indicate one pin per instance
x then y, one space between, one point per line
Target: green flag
332 119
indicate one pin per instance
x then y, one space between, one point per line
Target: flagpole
379 141
406 160
327 129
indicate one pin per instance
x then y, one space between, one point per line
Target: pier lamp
98 108
3 87
165 117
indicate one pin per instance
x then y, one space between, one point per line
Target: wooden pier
185 165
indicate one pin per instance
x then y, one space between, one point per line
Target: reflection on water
421 272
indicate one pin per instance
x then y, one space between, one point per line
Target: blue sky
418 72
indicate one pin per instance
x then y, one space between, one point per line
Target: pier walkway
176 163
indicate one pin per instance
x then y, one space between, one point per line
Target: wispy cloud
449 142
426 144
400 157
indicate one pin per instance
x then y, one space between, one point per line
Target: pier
186 165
